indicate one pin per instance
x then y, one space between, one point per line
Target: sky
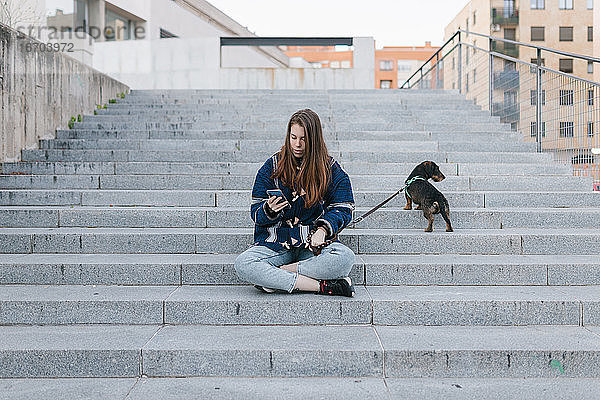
390 22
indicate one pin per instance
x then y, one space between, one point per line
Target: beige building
570 125
565 25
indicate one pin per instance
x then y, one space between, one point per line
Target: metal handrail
433 67
431 58
493 38
564 53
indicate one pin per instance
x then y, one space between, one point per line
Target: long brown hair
314 172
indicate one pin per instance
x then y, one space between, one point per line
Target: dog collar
407 184
416 178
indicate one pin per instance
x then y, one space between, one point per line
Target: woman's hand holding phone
276 201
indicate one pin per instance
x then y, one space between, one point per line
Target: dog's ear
428 165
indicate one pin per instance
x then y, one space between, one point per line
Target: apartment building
569 125
393 65
565 25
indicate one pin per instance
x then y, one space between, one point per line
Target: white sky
390 22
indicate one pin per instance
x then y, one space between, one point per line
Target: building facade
569 124
393 65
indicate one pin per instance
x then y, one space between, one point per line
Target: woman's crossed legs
294 269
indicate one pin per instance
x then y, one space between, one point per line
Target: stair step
240 305
525 241
243 182
410 351
230 198
250 169
222 217
415 157
395 135
255 145
218 269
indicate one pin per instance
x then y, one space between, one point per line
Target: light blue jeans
259 265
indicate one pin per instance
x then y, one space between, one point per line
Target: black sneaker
337 287
264 289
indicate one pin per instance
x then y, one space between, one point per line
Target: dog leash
317 249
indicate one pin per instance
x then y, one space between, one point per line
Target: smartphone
277 193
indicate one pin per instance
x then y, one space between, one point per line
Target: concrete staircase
118 240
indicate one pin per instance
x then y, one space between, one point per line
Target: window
565 34
510 65
565 129
537 33
334 64
533 129
474 72
565 65
565 4
532 69
565 97
453 63
474 19
510 34
590 33
590 129
346 64
385 84
509 8
537 4
583 159
466 56
404 66
590 4
590 67
533 94
466 82
590 97
386 65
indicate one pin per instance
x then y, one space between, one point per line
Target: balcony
509 49
505 16
506 80
508 112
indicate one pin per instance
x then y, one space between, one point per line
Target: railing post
538 103
491 78
437 71
459 65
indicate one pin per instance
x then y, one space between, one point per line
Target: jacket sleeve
338 203
262 182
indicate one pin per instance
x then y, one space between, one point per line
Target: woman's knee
242 265
345 258
345 254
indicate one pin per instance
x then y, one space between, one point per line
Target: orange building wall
328 53
400 53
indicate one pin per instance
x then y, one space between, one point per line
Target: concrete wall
40 91
198 64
